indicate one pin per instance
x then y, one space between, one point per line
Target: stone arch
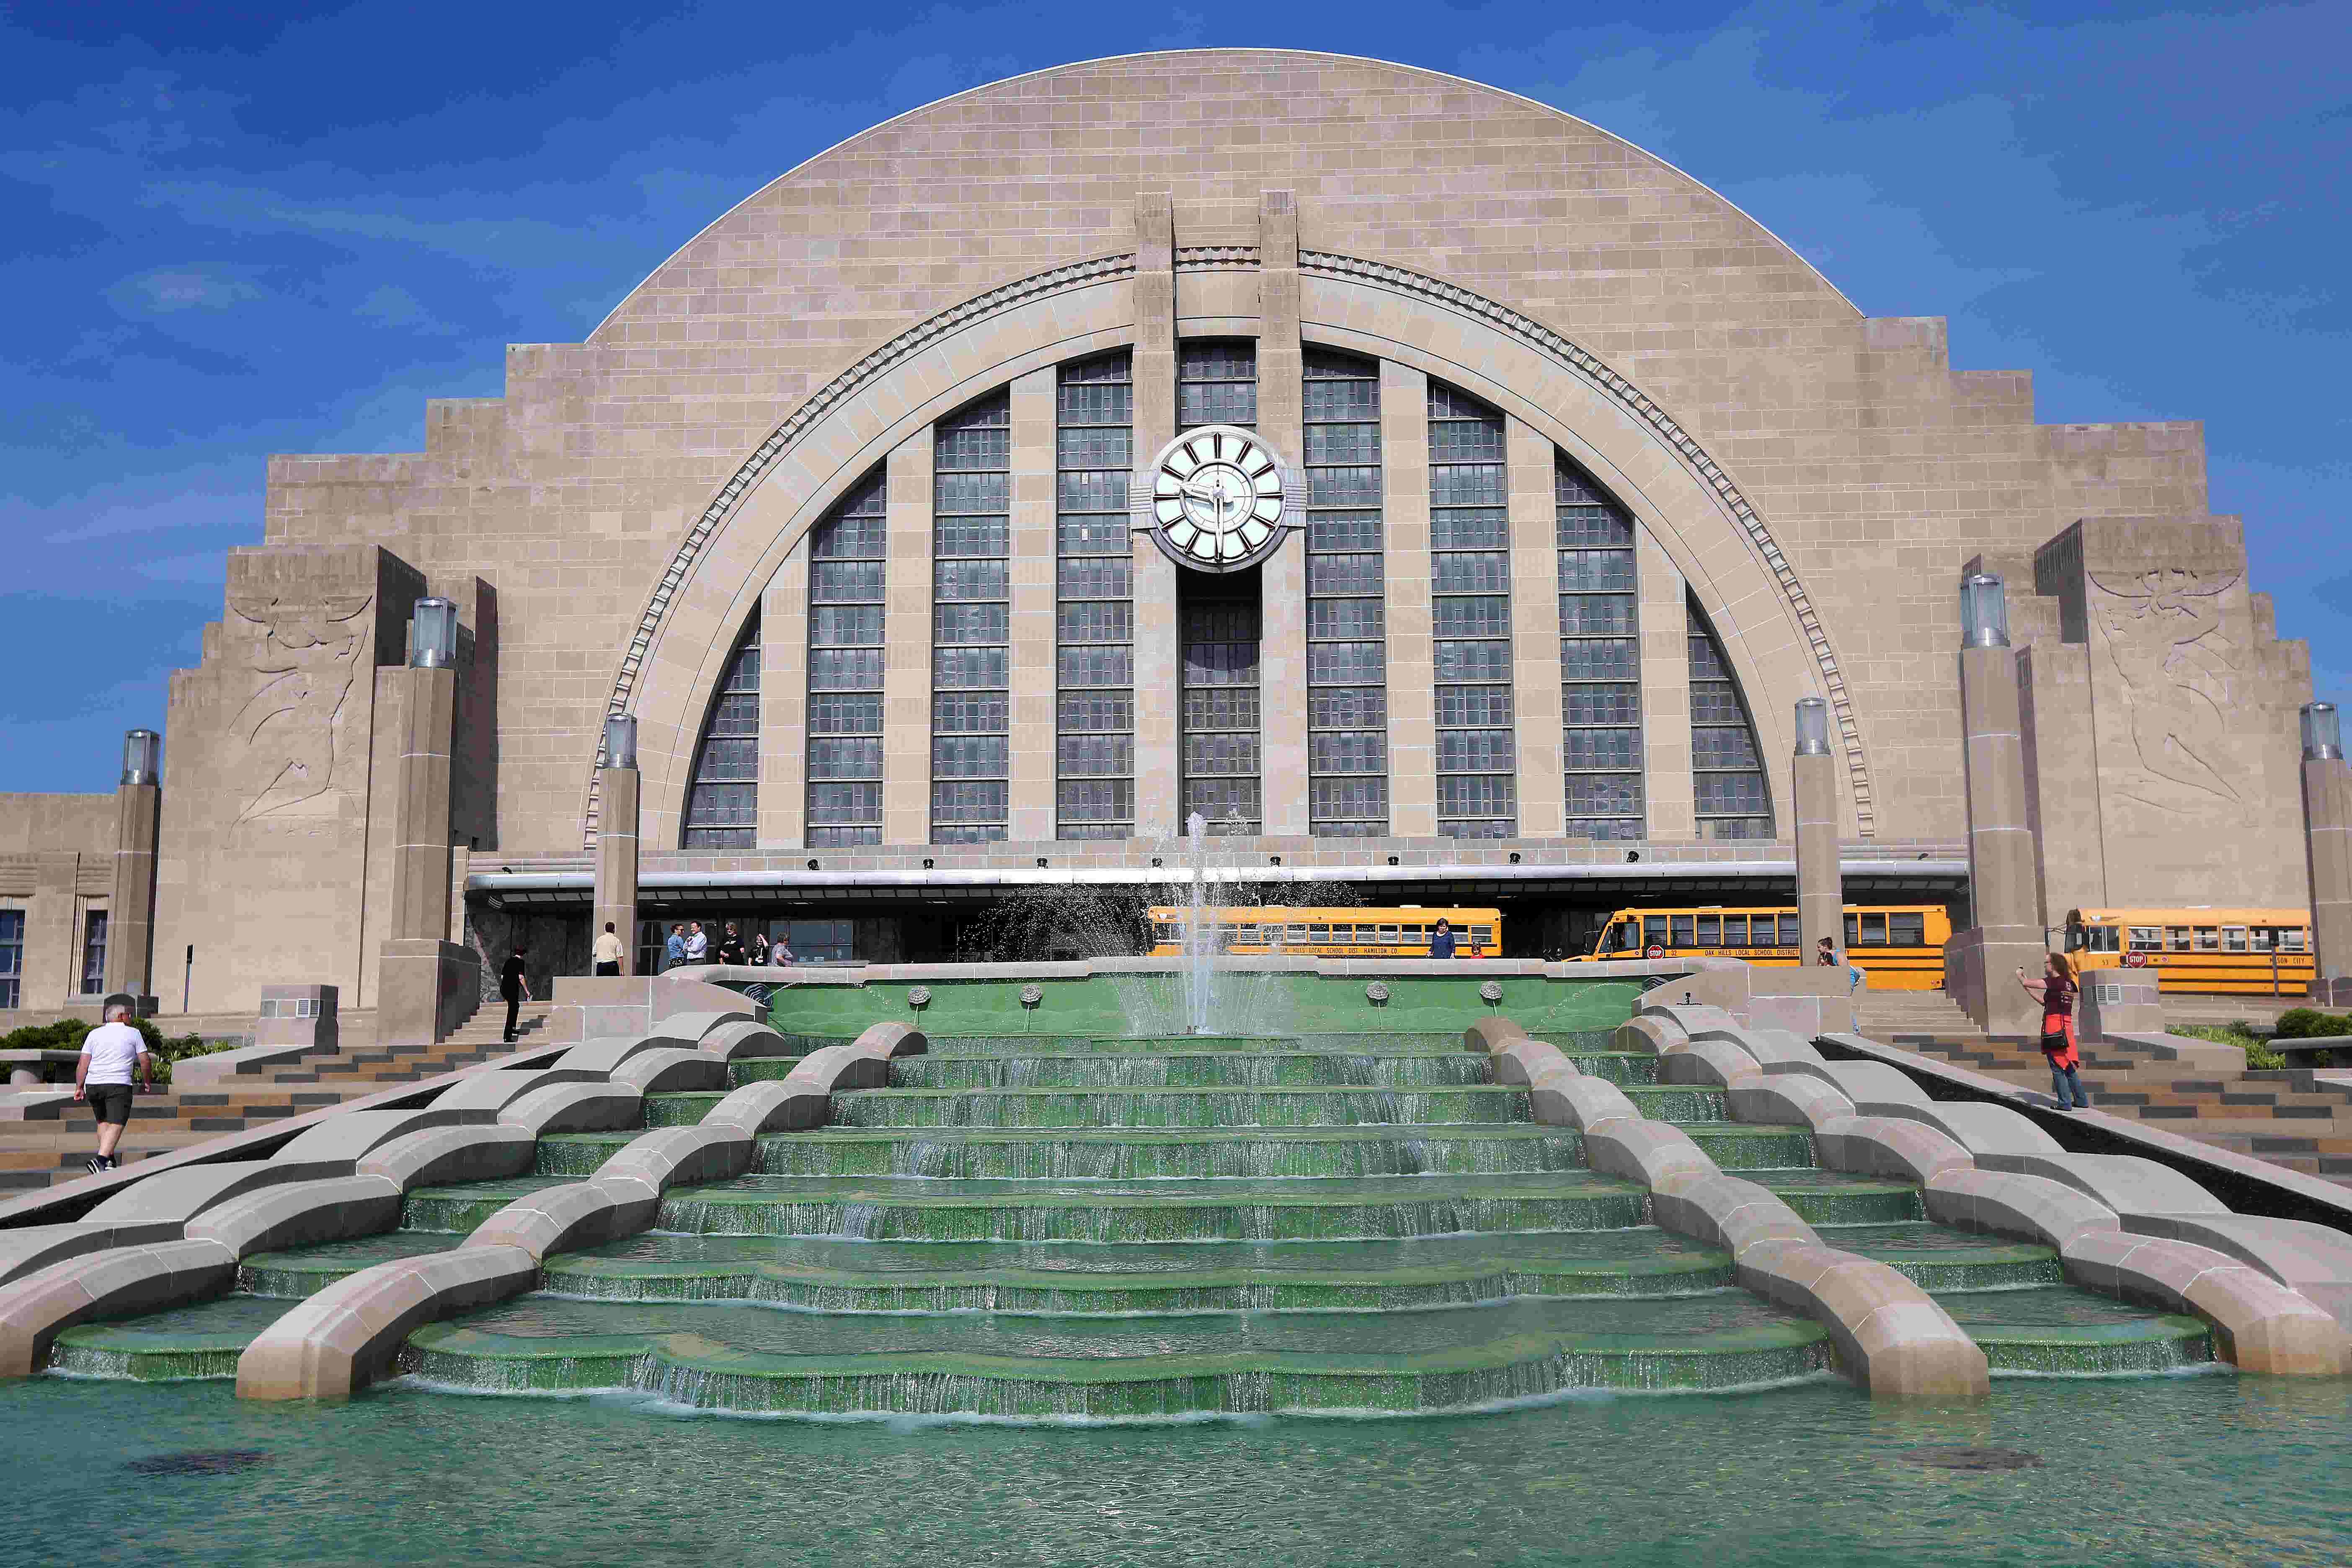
1691 506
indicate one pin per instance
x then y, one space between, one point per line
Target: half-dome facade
1433 492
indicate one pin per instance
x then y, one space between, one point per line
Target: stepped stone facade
1580 479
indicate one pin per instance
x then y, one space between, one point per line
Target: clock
1217 499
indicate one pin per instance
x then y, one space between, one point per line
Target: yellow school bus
2245 952
1899 946
1399 932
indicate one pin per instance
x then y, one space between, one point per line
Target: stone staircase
42 1153
2294 1118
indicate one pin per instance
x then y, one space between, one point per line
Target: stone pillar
130 911
1159 791
2328 851
1404 546
616 841
1533 501
1281 416
1035 561
1812 787
1980 965
427 985
907 646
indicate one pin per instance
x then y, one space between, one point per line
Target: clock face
1216 497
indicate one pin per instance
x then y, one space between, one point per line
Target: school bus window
2209 938
2291 940
1791 932
2234 939
2176 939
1710 931
1654 930
2262 938
1853 931
1873 931
2146 939
1908 931
1682 931
1734 931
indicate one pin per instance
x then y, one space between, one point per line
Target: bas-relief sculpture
307 659
2161 640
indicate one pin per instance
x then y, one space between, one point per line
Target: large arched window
1599 659
1732 796
972 622
722 803
1347 619
848 568
1094 590
1470 617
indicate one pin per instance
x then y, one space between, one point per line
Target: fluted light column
1980 965
130 911
2328 848
428 984
616 839
1821 889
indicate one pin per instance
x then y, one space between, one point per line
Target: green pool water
2181 1469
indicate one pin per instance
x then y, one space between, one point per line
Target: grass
2260 1058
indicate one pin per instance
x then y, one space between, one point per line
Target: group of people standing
688 943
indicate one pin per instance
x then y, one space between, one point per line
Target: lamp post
1821 889
131 911
2328 850
2008 935
427 983
617 837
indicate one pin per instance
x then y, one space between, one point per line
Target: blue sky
233 234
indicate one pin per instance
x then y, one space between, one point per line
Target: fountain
1200 935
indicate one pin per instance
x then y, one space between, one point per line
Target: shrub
67 1035
2310 1023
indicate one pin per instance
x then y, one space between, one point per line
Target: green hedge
2310 1023
66 1033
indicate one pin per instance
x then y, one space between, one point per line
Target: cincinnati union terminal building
1446 500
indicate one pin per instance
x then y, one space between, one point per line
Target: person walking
103 1079
2057 991
697 943
1441 940
674 950
782 954
730 947
608 951
514 986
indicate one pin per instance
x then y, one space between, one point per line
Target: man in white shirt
103 1078
697 944
608 951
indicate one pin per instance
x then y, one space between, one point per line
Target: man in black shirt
515 986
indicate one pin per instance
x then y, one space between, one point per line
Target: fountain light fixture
1984 611
1392 860
1515 856
142 756
2323 733
812 865
1155 862
1274 859
1813 727
926 863
433 635
1632 855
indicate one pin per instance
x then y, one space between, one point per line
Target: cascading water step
753 1358
201 1341
1295 1107
460 1208
299 1271
831 1274
1838 1197
1939 1258
1283 1208
2059 1331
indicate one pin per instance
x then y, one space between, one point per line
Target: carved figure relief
2176 670
305 658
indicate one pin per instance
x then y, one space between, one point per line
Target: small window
1682 927
1852 930
2176 939
1654 930
1710 931
2146 939
2105 939
2262 938
1906 930
1791 930
2209 938
1391 935
2234 939
2291 939
1873 931
93 953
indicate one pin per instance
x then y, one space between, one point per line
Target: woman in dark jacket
2056 993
